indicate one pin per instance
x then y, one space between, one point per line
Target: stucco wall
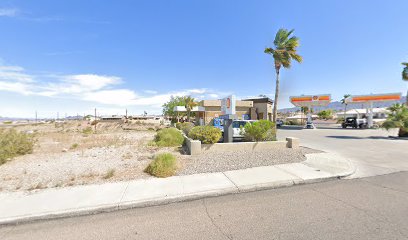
194 147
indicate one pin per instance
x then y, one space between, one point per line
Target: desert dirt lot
64 155
68 154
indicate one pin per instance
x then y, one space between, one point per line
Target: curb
114 207
180 198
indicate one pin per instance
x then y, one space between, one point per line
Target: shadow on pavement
371 137
291 127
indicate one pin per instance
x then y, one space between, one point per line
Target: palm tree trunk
345 110
406 99
275 103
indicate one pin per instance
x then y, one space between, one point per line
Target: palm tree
283 52
190 103
303 111
405 77
343 101
398 118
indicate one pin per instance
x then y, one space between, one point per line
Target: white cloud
92 88
150 91
14 74
15 87
197 91
120 97
8 12
92 81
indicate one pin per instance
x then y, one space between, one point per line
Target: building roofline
259 100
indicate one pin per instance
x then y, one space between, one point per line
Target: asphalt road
371 150
367 208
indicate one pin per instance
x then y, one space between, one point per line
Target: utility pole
36 116
126 113
57 115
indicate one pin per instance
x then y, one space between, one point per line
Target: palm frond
296 57
405 71
269 50
285 48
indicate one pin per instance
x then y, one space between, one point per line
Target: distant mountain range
3 119
338 106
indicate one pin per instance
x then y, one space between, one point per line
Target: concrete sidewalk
81 200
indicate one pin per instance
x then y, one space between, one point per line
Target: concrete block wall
194 147
242 146
292 142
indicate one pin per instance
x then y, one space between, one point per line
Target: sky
69 57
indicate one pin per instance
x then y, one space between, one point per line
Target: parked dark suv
279 123
354 123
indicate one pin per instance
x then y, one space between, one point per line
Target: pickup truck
354 123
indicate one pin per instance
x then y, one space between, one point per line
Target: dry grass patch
14 143
74 146
109 174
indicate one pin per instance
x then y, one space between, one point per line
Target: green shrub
163 165
169 137
185 127
206 134
262 130
87 130
340 120
13 143
178 125
74 146
7 122
325 114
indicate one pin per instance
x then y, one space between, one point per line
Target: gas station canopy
310 100
369 100
374 98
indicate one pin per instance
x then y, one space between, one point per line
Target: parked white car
238 128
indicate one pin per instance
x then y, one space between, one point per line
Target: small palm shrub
262 130
163 165
185 127
398 118
206 134
13 144
169 137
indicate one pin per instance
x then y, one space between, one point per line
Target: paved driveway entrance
371 150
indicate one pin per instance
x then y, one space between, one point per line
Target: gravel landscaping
67 155
233 160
